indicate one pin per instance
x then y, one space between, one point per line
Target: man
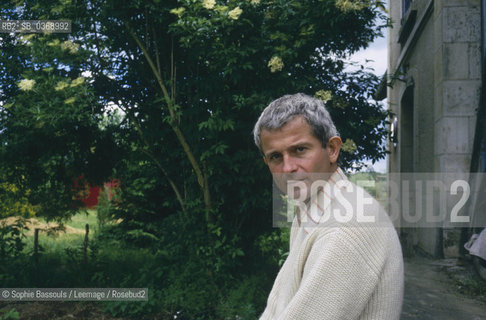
345 259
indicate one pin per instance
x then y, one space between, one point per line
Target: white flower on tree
26 84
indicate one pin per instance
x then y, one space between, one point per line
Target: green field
82 218
375 184
72 237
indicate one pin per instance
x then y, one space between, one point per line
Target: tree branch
173 123
156 161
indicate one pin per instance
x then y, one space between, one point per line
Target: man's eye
300 149
274 157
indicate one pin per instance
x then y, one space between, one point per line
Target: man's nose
289 164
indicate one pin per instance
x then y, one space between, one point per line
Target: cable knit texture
340 268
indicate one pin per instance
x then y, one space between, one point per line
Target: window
406 4
409 16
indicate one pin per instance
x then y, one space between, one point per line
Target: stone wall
438 65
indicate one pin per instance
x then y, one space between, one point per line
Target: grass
82 218
52 243
468 282
471 284
79 220
377 187
61 263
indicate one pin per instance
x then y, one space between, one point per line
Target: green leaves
214 123
11 238
221 62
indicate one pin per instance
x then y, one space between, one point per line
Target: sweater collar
319 203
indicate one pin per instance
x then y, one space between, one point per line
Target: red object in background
89 195
92 199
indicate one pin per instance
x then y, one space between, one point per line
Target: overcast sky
377 52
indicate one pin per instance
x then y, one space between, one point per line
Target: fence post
85 246
36 245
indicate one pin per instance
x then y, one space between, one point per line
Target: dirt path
33 223
431 294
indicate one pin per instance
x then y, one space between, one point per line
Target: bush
244 300
11 236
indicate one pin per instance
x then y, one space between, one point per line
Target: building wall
435 86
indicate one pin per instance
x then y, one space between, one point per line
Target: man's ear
333 147
265 160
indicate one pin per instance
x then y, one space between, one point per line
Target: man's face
292 152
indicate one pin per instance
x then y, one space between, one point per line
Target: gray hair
284 109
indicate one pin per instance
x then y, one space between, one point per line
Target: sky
378 53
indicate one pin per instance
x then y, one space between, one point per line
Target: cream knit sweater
340 270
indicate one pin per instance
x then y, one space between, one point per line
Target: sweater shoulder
366 229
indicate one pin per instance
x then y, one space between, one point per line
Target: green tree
190 78
50 121
195 73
